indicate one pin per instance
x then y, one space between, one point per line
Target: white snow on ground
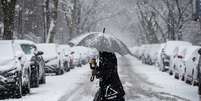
57 86
164 82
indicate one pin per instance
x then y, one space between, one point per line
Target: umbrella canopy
102 42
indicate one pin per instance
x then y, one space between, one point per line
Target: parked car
152 54
144 53
168 52
64 54
174 60
14 70
53 59
37 62
75 59
191 62
179 67
159 60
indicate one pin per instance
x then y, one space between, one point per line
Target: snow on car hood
6 64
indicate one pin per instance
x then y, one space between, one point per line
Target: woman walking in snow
111 88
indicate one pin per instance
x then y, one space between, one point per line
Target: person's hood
7 64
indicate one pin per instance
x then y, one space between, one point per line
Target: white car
153 52
37 62
14 70
144 52
159 61
64 54
168 52
53 59
191 61
75 59
179 67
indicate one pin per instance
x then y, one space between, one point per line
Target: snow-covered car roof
171 45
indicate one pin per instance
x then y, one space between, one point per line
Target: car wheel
59 71
186 79
183 78
43 79
171 73
26 88
35 78
66 67
17 93
175 76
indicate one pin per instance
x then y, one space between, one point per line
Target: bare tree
53 19
175 16
148 23
8 7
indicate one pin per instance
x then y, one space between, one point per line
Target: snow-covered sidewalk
163 82
57 86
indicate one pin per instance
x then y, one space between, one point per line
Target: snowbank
165 83
52 90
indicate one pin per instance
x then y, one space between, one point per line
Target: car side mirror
40 53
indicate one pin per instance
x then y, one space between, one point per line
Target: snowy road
141 83
137 85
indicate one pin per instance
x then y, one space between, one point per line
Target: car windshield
6 50
27 48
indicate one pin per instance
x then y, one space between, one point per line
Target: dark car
37 62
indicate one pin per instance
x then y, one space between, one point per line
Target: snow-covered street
141 83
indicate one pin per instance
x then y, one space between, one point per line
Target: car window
27 48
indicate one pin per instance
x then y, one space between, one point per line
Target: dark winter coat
111 88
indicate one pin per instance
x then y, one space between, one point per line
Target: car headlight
11 73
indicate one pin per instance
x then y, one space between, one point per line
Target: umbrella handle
92 78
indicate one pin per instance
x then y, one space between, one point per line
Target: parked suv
37 62
14 70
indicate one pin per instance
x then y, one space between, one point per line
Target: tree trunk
9 13
52 28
